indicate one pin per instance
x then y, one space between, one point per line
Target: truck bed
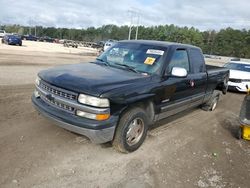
216 76
211 69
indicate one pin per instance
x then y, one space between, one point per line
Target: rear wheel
212 103
131 130
225 86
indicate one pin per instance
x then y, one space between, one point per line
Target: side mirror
179 72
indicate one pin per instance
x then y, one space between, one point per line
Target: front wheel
131 131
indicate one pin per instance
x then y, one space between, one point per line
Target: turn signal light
102 117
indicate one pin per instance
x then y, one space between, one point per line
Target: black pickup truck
127 89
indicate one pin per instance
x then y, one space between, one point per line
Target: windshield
238 66
139 57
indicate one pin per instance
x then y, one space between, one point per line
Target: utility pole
30 25
137 27
134 13
131 24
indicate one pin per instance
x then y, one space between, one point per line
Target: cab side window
179 59
197 60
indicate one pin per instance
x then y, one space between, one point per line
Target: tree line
225 42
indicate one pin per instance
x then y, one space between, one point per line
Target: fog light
99 117
85 114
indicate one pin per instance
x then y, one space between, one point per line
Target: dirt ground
192 149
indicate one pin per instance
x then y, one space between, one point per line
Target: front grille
66 95
59 105
235 80
246 80
57 91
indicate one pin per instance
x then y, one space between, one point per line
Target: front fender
125 100
139 98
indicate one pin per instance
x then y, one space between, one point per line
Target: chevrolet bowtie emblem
50 97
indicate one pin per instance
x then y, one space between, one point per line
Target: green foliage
227 42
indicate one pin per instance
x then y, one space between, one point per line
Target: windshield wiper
104 62
128 67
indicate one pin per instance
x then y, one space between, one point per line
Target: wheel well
146 105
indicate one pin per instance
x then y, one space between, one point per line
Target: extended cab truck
127 89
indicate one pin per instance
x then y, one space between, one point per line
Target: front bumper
97 131
238 86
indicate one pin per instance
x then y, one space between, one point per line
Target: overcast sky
209 14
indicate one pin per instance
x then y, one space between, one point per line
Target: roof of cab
158 43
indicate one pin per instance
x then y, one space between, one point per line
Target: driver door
176 94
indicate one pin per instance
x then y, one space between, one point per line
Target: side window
179 59
197 60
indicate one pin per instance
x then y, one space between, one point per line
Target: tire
131 130
225 86
212 103
239 134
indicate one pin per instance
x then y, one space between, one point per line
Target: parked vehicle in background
56 41
100 44
29 37
235 59
239 75
46 39
2 33
128 88
70 43
12 39
108 44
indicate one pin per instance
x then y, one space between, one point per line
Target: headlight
38 81
36 94
93 101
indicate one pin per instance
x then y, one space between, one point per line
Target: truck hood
235 74
90 78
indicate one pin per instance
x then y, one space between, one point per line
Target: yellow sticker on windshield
149 61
